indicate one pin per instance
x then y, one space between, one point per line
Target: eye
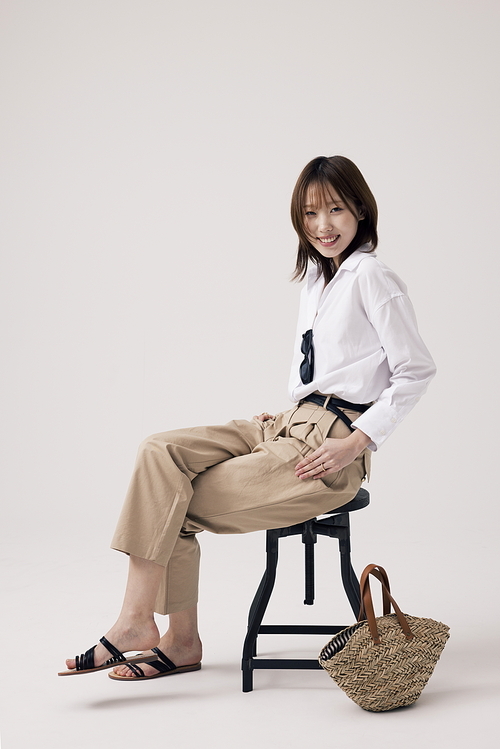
310 213
335 209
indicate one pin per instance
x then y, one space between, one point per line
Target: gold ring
323 467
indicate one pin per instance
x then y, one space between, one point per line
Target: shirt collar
350 264
357 256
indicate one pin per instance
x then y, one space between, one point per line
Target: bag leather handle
367 611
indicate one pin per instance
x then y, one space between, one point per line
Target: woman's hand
333 455
264 417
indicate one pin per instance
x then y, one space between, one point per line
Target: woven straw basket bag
384 662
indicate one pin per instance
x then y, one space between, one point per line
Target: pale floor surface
207 708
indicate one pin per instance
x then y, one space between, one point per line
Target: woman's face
330 223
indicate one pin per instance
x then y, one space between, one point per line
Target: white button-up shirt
366 343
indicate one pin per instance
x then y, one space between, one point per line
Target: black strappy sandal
85 662
165 667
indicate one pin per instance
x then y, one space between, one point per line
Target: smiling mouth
329 240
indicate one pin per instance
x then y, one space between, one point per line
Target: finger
310 475
324 471
304 466
309 468
310 471
312 458
329 469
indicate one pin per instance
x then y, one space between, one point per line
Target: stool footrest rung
300 629
290 663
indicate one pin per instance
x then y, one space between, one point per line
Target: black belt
335 404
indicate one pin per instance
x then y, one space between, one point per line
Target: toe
71 663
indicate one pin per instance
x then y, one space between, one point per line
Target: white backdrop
149 153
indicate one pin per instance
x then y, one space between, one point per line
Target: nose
325 222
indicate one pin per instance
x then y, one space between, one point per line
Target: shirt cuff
378 423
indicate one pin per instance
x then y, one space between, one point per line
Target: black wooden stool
336 526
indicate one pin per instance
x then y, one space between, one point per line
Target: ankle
188 640
135 618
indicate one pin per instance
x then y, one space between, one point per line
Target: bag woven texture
384 662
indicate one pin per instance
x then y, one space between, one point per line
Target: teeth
327 240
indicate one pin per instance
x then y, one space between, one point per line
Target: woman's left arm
410 369
409 364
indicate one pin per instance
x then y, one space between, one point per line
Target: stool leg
257 599
258 608
309 539
309 561
349 579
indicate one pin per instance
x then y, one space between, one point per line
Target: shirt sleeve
410 364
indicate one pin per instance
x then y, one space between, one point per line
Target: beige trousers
235 478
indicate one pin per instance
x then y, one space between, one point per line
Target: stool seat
362 499
334 524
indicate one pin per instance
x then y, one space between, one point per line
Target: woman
359 367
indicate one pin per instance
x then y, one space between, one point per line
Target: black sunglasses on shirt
307 366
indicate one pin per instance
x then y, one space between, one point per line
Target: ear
361 213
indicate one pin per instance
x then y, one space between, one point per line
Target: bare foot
184 653
136 635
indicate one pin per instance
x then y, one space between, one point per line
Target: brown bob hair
321 175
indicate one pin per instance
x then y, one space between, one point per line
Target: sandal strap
136 670
85 661
160 667
166 660
117 656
